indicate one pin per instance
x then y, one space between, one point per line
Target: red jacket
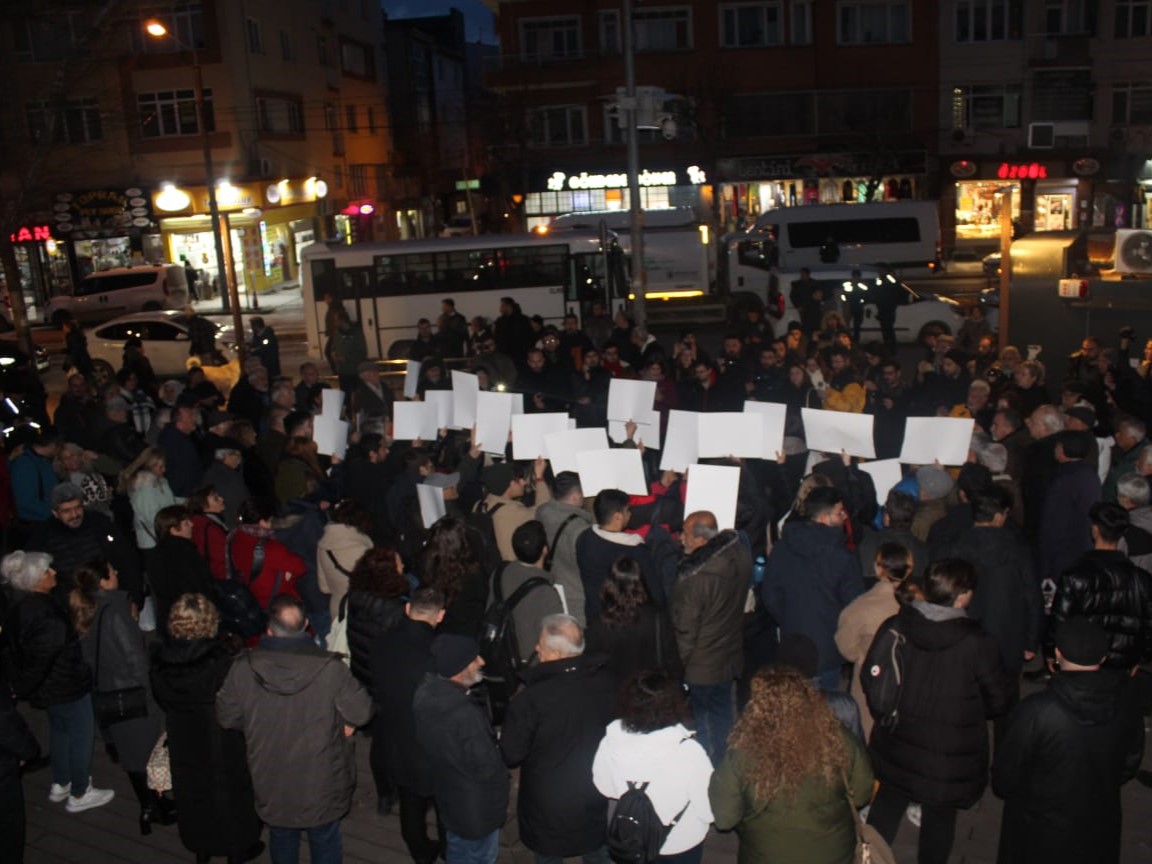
211 539
277 560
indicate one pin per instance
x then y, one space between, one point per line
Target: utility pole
629 107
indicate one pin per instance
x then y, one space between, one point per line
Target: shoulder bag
871 848
115 706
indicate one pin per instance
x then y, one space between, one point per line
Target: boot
154 808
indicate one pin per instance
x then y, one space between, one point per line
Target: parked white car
108 293
164 335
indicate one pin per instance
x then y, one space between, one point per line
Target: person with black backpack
658 774
531 547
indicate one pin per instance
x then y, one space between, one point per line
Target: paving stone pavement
110 835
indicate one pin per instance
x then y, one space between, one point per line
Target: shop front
264 226
752 185
570 191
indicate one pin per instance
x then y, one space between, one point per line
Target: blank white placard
647 429
493 420
530 430
773 415
442 399
411 378
562 447
730 433
885 474
936 439
611 469
432 505
330 435
833 431
412 420
714 488
630 400
681 441
465 386
332 403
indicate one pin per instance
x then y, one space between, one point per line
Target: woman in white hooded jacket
650 744
344 542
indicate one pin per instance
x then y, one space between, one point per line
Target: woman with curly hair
632 632
451 561
781 784
210 778
650 744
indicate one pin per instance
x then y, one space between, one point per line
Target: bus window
389 281
760 254
323 278
528 267
854 232
419 273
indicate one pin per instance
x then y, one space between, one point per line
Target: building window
800 22
76 121
280 114
357 180
337 176
286 52
986 106
356 60
1068 17
353 123
255 36
614 133
763 115
1062 94
170 113
185 21
610 32
860 22
662 29
1133 18
751 25
323 55
560 126
987 20
1132 103
543 40
855 111
45 39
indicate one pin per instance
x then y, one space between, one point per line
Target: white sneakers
913 814
92 798
59 792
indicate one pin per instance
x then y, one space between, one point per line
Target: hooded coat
937 751
1059 769
811 576
292 701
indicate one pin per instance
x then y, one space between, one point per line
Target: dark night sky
475 13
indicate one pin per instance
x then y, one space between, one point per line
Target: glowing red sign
1022 171
31 234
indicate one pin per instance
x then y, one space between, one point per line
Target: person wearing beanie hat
935 485
458 744
1066 753
505 485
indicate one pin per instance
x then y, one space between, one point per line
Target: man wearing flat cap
1065 755
373 398
469 779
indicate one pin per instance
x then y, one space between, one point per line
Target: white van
120 290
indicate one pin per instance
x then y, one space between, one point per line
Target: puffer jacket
292 700
469 779
1109 590
369 616
707 609
937 751
347 546
42 656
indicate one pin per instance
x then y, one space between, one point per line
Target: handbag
871 848
115 706
159 768
337 641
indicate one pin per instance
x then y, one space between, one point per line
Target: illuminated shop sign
31 234
1022 171
559 181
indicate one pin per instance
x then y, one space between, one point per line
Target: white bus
900 236
387 287
679 258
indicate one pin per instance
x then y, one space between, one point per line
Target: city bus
900 236
387 287
679 258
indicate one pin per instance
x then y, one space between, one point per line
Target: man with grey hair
290 697
551 731
1144 461
1039 466
1131 438
707 610
1133 494
224 473
118 437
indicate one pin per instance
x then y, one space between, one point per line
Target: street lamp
229 294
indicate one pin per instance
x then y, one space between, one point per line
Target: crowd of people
180 561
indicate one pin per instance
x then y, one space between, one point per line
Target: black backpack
240 613
635 832
498 643
480 521
882 675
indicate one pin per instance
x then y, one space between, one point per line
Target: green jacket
810 826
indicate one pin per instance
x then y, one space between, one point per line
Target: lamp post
639 274
229 293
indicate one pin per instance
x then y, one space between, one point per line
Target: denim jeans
72 728
462 850
325 845
596 856
830 679
714 709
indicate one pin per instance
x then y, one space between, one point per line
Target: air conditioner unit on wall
1041 136
1133 251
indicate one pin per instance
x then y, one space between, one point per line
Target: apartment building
105 141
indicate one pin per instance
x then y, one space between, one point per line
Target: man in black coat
74 536
552 730
1064 533
175 566
399 660
599 548
456 739
1109 590
1067 752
